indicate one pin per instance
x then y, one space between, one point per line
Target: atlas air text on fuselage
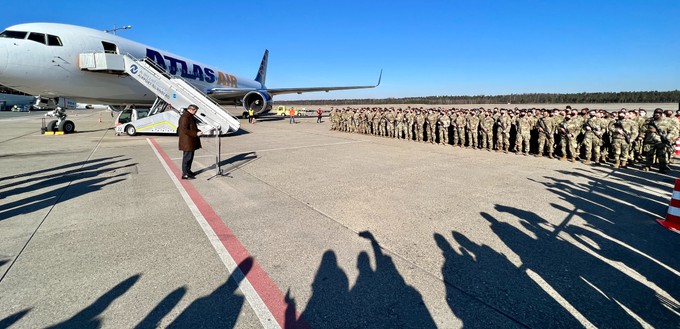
197 72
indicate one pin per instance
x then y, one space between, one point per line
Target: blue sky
425 48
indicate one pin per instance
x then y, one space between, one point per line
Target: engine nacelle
260 102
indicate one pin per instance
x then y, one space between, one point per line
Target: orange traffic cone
672 221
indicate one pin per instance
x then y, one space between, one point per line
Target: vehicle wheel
131 130
52 125
67 126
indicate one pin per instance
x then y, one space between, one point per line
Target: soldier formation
591 136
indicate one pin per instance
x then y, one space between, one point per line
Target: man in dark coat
188 140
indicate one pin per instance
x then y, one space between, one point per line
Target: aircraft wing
231 93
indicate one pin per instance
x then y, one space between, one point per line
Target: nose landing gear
59 126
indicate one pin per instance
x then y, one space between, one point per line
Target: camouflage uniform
399 124
592 138
621 133
444 124
408 127
523 124
606 139
335 122
356 121
459 130
503 132
471 125
546 138
389 123
377 118
653 145
486 130
382 128
432 127
420 126
568 130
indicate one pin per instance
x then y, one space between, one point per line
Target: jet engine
258 101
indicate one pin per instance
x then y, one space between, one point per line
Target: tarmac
307 227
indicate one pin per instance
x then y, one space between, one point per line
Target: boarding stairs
170 89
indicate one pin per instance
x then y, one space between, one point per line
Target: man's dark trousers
187 160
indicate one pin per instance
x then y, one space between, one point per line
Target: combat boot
586 162
550 156
563 158
624 164
571 160
616 164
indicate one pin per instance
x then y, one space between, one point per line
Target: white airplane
42 59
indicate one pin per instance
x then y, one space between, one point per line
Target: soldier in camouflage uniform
503 131
592 138
622 131
389 123
605 120
471 126
673 133
399 124
523 124
486 130
334 119
420 125
656 131
356 121
410 121
432 117
546 131
382 128
377 117
568 130
444 123
459 129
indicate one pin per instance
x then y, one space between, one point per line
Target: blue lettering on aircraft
173 65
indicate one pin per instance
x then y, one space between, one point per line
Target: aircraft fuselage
52 70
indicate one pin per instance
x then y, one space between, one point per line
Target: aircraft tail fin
262 72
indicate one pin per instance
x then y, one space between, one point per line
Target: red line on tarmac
270 294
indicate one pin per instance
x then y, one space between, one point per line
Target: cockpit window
53 40
37 37
13 34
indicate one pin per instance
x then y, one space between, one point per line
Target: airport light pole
127 27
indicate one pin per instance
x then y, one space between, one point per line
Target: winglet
379 78
262 72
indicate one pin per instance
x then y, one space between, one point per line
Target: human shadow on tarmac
601 295
58 177
153 319
89 317
484 289
49 198
12 319
57 169
624 220
220 309
380 298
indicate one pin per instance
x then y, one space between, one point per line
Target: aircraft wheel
67 126
52 125
131 130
